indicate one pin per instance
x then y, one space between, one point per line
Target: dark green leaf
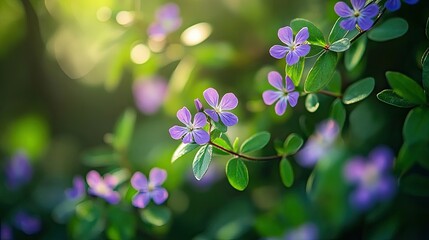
124 130
156 215
334 84
355 53
292 144
321 73
286 172
316 36
88 222
388 30
359 90
406 87
338 112
411 154
416 126
255 142
337 32
416 185
311 102
340 45
425 75
122 223
202 161
295 71
390 97
237 174
182 150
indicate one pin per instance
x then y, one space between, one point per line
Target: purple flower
103 187
294 49
167 20
228 102
193 132
198 105
370 177
27 223
150 94
5 232
18 171
393 5
78 189
284 94
306 231
360 14
318 144
149 190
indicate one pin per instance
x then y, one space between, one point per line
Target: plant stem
337 95
363 32
250 158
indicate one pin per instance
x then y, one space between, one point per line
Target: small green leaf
353 57
124 130
295 71
255 142
359 90
425 75
311 102
416 127
292 144
156 215
220 126
237 174
337 32
334 84
390 97
340 45
223 143
338 112
202 161
236 144
321 73
182 150
316 36
406 87
286 172
388 30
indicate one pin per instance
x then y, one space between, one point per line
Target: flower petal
343 10
370 11
212 97
228 102
112 197
157 176
229 119
286 35
393 5
201 136
111 180
358 4
141 200
302 36
281 106
349 23
289 84
361 198
276 80
386 187
212 114
382 158
93 178
278 51
302 50
159 195
200 120
293 98
365 23
139 181
187 138
177 132
354 170
271 96
292 58
184 116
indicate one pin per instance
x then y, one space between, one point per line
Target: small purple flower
18 171
294 49
103 187
306 231
78 189
284 94
167 20
150 94
318 144
393 5
5 232
360 14
371 177
193 132
228 102
149 190
27 223
198 105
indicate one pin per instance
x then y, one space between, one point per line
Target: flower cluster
283 95
103 186
149 189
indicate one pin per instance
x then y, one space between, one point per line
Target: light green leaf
406 87
355 53
223 142
292 144
359 90
124 130
390 97
416 126
202 161
311 102
340 45
286 172
156 215
338 112
255 142
295 71
182 150
236 144
321 73
337 32
237 174
388 30
316 36
425 75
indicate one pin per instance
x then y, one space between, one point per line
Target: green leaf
353 57
255 142
202 161
286 172
340 45
88 222
311 102
334 84
100 158
237 174
388 30
236 144
220 126
359 90
321 73
223 142
338 112
156 215
316 36
416 185
337 32
416 126
182 150
427 29
406 87
122 223
295 71
411 154
390 97
292 144
425 75
124 130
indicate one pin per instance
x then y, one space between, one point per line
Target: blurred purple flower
5 232
228 102
306 231
27 223
103 187
198 105
149 190
213 174
18 171
393 5
78 189
284 94
294 49
318 144
360 14
150 94
371 177
193 132
167 20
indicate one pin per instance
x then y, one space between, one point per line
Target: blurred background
70 69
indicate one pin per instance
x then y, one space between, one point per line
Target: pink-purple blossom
103 186
18 171
78 189
149 94
192 132
283 95
295 48
5 232
167 20
359 14
393 5
151 189
27 223
228 102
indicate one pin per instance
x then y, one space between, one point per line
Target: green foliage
295 71
354 55
101 157
338 112
155 215
88 223
337 32
311 102
316 36
237 174
255 142
388 30
182 150
224 142
124 130
334 84
292 144
416 127
121 223
390 97
321 73
202 161
411 154
359 90
219 126
406 87
425 75
286 172
340 45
